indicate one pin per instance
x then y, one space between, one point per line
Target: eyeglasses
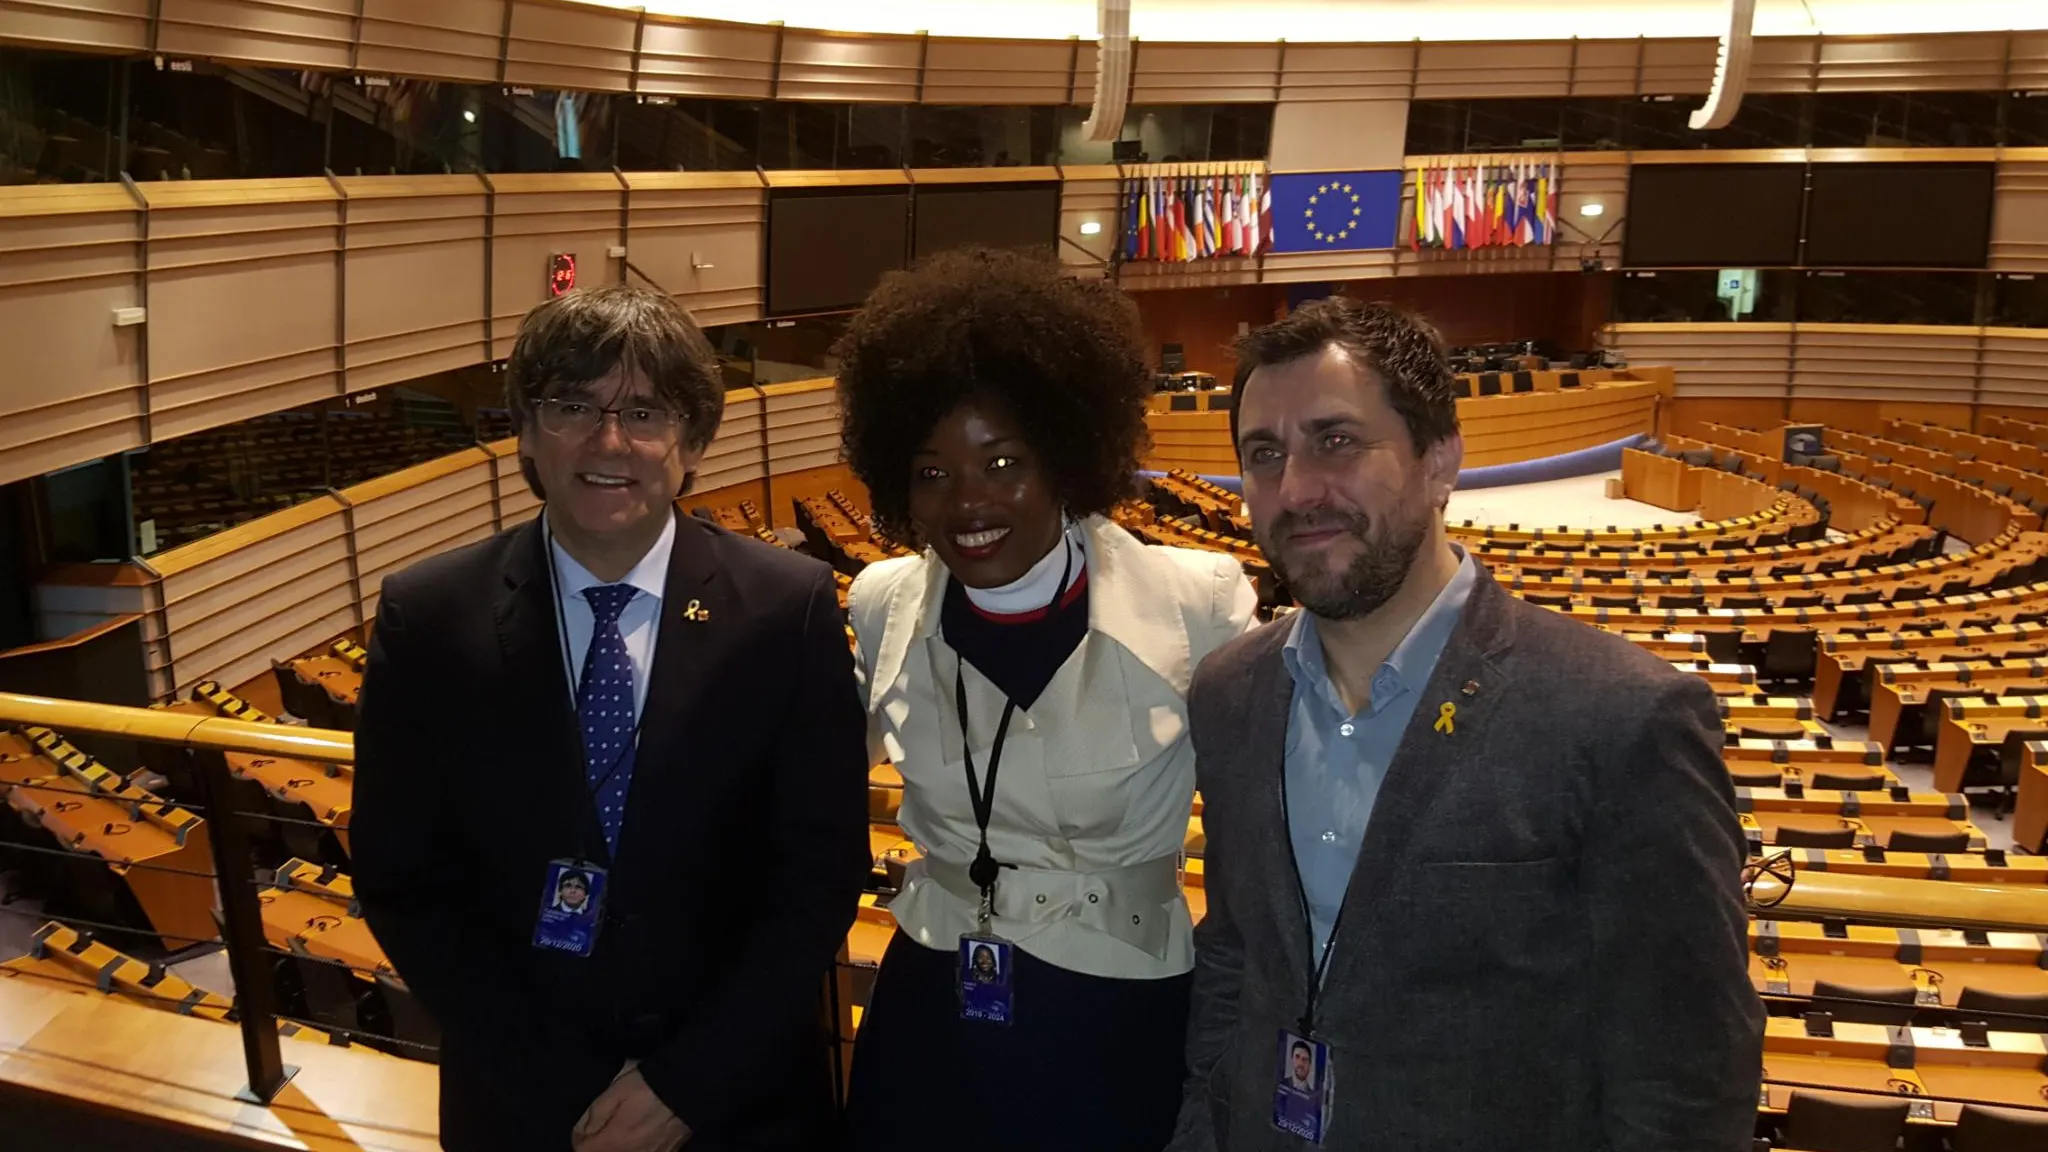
580 418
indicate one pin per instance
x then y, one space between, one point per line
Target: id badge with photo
571 905
986 974
1301 1092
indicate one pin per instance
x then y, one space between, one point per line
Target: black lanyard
1322 965
982 797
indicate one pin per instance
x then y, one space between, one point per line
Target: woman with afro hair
1027 673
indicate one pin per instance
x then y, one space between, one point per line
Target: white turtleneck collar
1037 587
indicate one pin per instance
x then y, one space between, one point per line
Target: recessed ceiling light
1592 208
1090 227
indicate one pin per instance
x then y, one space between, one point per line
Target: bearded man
1480 859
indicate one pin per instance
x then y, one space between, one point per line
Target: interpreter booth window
1441 127
1174 133
2019 300
1905 119
197 120
1851 297
59 118
1705 296
2026 120
777 351
949 136
193 486
1661 123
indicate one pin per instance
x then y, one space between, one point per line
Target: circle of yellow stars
1337 194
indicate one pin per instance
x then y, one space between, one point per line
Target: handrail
159 726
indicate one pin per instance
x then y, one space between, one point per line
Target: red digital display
561 273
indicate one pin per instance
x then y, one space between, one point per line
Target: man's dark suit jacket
741 859
1543 945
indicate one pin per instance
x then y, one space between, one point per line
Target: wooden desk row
158 851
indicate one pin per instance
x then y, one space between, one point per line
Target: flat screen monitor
827 249
1021 216
1713 215
1899 216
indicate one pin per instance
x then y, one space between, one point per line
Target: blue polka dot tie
604 704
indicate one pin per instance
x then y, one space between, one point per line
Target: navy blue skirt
1091 1064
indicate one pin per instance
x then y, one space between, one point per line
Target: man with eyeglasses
619 697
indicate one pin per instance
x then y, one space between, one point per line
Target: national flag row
1177 219
1485 206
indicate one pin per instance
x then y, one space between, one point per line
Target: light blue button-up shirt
1336 761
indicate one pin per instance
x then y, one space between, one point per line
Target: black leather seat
1843 1123
1878 1002
2004 1012
1980 1129
1942 842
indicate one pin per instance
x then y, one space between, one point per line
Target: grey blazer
1543 945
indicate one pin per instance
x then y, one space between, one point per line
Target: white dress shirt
639 624
1098 775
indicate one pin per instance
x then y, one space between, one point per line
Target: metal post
242 932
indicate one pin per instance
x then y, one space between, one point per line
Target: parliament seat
1843 1123
1981 1129
1843 837
2004 1012
1931 843
1878 1009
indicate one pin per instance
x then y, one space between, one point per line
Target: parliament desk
1845 679
301 920
1738 709
159 851
341 682
1974 729
1859 805
1975 867
2030 816
1901 691
2009 1073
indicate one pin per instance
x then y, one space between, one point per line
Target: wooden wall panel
966 72
1590 178
2015 371
516 502
1084 74
1605 68
688 58
401 519
71 389
803 425
536 216
446 39
1521 68
1690 415
1911 63
1677 67
704 243
293 33
414 297
1338 136
2027 62
243 299
2019 218
1204 322
1884 362
1784 63
737 455
848 66
103 25
1089 194
1323 72
264 590
553 44
1205 73
1721 361
1869 416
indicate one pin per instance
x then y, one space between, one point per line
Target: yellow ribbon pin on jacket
1443 718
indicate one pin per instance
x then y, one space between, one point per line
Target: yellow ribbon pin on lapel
1443 718
695 611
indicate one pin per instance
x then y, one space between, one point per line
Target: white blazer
1097 777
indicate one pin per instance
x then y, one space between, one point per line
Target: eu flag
1336 211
